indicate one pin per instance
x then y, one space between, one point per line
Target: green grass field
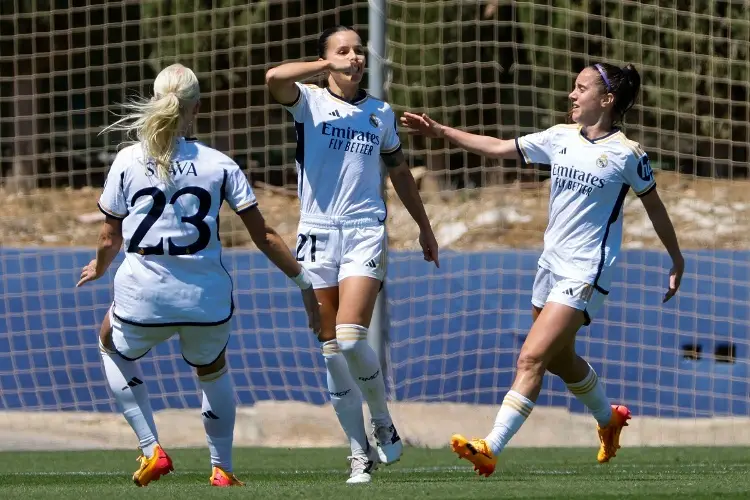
283 473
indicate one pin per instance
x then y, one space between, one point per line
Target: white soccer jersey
339 145
590 180
172 273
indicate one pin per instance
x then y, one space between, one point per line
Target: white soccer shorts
551 287
333 253
200 345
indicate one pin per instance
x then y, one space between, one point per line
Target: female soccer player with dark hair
593 167
342 134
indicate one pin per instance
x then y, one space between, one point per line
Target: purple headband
604 77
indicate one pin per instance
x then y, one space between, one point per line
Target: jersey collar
598 139
359 98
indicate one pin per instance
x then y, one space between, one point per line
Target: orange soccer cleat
222 478
475 451
609 436
153 468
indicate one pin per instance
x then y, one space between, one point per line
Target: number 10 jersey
172 273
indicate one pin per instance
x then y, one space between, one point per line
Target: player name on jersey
175 168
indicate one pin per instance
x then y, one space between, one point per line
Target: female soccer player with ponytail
161 200
342 134
593 167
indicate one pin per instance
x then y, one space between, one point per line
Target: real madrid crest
602 161
374 120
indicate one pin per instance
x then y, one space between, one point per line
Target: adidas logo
569 291
335 113
563 151
371 263
210 415
134 382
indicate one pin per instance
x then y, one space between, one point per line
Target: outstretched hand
89 273
422 124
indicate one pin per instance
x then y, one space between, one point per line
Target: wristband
303 280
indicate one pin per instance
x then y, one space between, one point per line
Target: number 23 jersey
172 273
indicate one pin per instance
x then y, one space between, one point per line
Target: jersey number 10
157 209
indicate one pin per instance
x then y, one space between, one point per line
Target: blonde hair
158 121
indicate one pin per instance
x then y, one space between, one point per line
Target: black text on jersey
175 168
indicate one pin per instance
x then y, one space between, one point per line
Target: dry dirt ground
289 424
708 214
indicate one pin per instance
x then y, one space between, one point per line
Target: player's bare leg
126 383
554 328
218 412
584 383
357 302
346 397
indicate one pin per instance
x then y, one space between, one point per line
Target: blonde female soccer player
342 134
162 199
593 167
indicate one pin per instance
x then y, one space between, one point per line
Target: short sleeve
112 202
391 142
638 173
237 190
300 107
536 147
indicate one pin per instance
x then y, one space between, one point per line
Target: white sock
365 367
590 392
129 390
513 413
345 397
219 411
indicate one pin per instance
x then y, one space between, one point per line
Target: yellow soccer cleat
475 451
609 436
153 468
222 478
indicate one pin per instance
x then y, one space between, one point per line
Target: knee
350 337
326 336
530 363
561 363
214 370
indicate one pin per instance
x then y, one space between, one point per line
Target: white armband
303 280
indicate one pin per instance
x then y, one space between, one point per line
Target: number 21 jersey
172 273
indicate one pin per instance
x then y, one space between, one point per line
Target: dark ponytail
323 38
623 83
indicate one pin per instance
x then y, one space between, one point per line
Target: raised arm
281 79
490 147
664 228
